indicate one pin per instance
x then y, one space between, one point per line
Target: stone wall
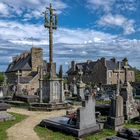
25 73
32 87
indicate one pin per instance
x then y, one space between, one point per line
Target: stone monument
53 85
73 87
4 116
129 104
80 87
81 122
40 70
1 93
116 118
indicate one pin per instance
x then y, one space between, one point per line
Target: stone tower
36 58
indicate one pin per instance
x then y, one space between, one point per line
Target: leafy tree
137 74
1 78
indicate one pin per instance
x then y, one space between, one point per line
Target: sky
87 30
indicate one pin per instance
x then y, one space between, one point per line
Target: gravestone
86 115
82 123
73 87
1 94
116 118
4 116
80 87
129 103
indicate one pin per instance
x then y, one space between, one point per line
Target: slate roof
111 65
89 66
85 67
22 62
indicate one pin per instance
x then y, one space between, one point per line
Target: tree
1 78
137 74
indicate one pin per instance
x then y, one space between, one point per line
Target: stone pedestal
129 104
116 118
53 90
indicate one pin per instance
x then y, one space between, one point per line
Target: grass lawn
5 125
47 134
131 125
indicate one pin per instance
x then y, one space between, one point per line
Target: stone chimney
36 58
103 61
73 65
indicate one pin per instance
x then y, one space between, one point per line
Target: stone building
23 71
100 71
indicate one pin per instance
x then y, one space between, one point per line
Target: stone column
41 84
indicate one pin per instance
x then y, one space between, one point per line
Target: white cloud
3 9
69 44
102 4
28 8
113 5
118 20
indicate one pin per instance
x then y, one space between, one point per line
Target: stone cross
50 23
80 74
118 77
18 77
126 67
5 80
18 82
61 71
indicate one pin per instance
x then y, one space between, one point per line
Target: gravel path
24 129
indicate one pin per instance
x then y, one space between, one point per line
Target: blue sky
87 30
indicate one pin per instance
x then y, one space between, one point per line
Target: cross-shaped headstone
18 77
118 71
5 80
126 67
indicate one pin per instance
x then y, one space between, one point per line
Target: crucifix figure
51 24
